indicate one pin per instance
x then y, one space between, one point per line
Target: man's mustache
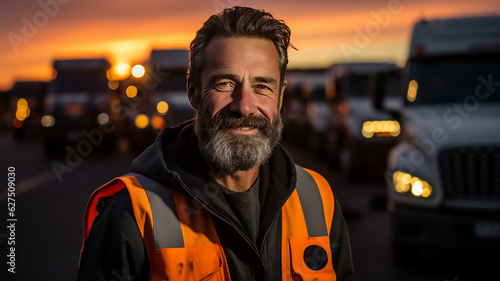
228 119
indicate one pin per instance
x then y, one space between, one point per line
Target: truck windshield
173 82
357 86
392 85
28 92
453 79
79 83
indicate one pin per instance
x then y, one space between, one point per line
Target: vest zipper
221 217
215 213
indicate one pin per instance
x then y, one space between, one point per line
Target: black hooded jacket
115 250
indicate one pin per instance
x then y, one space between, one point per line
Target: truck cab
80 101
359 136
158 97
444 176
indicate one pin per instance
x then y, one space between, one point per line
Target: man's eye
224 86
263 89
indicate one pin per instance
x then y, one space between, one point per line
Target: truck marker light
412 91
22 109
141 121
131 91
157 122
17 123
22 114
162 107
48 121
103 118
113 84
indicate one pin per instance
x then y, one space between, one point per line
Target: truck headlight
382 128
404 183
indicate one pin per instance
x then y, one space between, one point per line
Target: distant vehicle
359 136
444 176
158 96
27 108
317 111
80 103
5 117
294 108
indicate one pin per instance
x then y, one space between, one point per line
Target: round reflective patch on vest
315 257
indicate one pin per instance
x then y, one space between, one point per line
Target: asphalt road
51 194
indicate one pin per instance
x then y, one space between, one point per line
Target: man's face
238 102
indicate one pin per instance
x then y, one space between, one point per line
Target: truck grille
471 172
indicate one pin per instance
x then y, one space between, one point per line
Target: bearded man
218 198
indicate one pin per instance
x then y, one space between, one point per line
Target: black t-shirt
246 206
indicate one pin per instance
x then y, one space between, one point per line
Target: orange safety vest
182 242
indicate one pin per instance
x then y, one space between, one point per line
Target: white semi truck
444 176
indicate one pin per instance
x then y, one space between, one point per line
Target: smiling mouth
243 130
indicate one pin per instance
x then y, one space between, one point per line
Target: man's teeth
244 128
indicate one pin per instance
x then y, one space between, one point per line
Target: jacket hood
174 160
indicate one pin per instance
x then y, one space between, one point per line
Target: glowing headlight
405 183
386 128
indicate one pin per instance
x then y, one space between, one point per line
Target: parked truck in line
80 104
158 96
359 137
27 106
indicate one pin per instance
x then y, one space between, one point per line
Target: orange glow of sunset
125 32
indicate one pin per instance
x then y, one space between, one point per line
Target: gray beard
238 153
232 153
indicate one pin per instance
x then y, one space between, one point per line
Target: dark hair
239 22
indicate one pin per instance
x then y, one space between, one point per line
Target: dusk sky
325 32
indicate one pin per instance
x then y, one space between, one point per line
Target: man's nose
244 101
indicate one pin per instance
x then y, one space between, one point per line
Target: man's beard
232 152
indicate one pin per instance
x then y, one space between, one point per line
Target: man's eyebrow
263 79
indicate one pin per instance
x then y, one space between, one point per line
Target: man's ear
282 93
192 96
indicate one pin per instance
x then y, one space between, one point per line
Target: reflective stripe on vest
182 242
306 224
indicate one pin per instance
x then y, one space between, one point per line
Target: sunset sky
325 31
